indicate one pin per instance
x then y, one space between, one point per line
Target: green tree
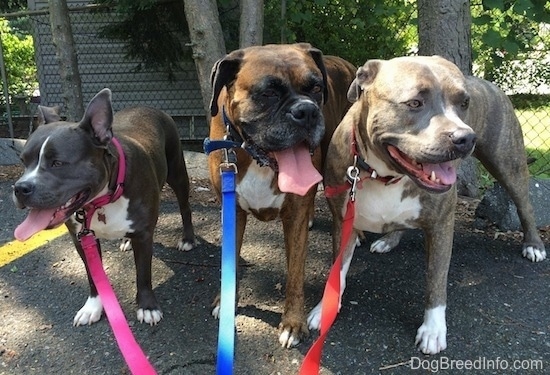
19 61
508 33
356 30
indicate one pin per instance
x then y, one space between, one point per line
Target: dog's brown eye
316 89
465 104
269 93
414 103
57 163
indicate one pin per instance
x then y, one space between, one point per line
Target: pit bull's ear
47 115
363 78
317 56
98 118
223 73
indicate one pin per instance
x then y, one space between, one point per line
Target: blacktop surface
498 303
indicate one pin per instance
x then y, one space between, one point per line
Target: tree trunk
252 23
444 29
207 42
62 37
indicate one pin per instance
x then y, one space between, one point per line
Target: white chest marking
377 205
255 191
111 221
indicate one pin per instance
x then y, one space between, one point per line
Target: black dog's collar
234 139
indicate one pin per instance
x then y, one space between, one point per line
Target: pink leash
131 351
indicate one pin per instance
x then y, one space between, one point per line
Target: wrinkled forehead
407 77
286 65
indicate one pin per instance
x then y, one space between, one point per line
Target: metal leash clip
352 175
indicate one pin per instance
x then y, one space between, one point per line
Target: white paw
287 340
380 246
431 337
125 245
89 313
185 245
534 254
151 317
314 318
216 312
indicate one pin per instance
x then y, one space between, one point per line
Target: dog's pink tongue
36 221
446 172
296 171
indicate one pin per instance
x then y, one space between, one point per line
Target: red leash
131 351
331 295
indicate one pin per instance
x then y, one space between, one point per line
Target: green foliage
506 32
19 61
356 30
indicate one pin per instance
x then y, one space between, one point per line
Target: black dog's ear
47 115
363 78
223 73
317 56
98 118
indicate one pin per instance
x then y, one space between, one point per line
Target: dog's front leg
315 315
93 308
295 217
431 337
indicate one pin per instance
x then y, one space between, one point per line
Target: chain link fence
103 63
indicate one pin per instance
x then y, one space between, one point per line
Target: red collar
361 163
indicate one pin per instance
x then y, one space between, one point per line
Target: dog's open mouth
437 178
49 218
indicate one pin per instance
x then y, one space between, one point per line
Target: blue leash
226 331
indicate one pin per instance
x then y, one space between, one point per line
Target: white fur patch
431 337
151 317
534 254
255 191
89 313
110 221
377 204
287 340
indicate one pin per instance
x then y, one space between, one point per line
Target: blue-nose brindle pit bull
412 120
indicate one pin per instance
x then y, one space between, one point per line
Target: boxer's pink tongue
296 171
35 221
446 172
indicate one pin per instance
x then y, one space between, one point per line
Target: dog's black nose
304 113
23 188
463 140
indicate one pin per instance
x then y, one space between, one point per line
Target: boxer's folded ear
223 73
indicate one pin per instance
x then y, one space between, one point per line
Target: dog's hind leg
513 175
387 242
178 180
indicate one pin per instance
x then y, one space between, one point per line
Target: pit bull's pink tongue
36 221
296 171
446 172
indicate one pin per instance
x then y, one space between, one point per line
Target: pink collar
110 196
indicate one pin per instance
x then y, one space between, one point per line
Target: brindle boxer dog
279 101
413 119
